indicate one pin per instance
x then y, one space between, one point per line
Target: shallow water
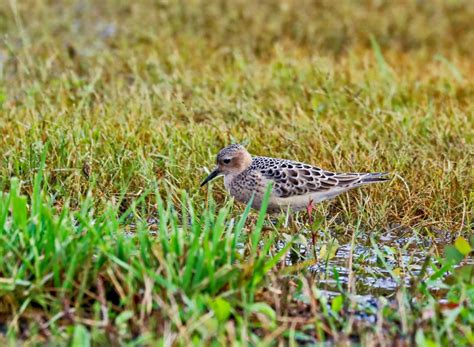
406 253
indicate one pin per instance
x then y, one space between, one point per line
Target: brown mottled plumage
295 185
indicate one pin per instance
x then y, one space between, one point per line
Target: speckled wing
291 178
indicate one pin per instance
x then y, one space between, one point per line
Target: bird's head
231 160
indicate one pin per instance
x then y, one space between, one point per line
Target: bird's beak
211 176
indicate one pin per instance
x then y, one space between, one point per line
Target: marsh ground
127 102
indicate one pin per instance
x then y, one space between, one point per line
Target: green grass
128 105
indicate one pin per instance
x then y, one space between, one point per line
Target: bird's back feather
292 178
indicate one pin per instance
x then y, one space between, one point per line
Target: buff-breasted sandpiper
295 185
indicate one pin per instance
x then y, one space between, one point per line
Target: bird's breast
243 186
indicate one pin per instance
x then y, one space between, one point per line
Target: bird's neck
228 181
246 160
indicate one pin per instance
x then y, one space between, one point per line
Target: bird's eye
226 161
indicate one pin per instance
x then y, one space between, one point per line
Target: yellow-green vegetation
111 111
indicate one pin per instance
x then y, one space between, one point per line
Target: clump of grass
82 269
79 276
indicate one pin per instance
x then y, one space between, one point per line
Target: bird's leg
287 216
309 209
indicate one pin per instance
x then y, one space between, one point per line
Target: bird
295 185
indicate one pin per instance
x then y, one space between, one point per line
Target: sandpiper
295 185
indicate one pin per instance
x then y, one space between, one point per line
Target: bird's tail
375 177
